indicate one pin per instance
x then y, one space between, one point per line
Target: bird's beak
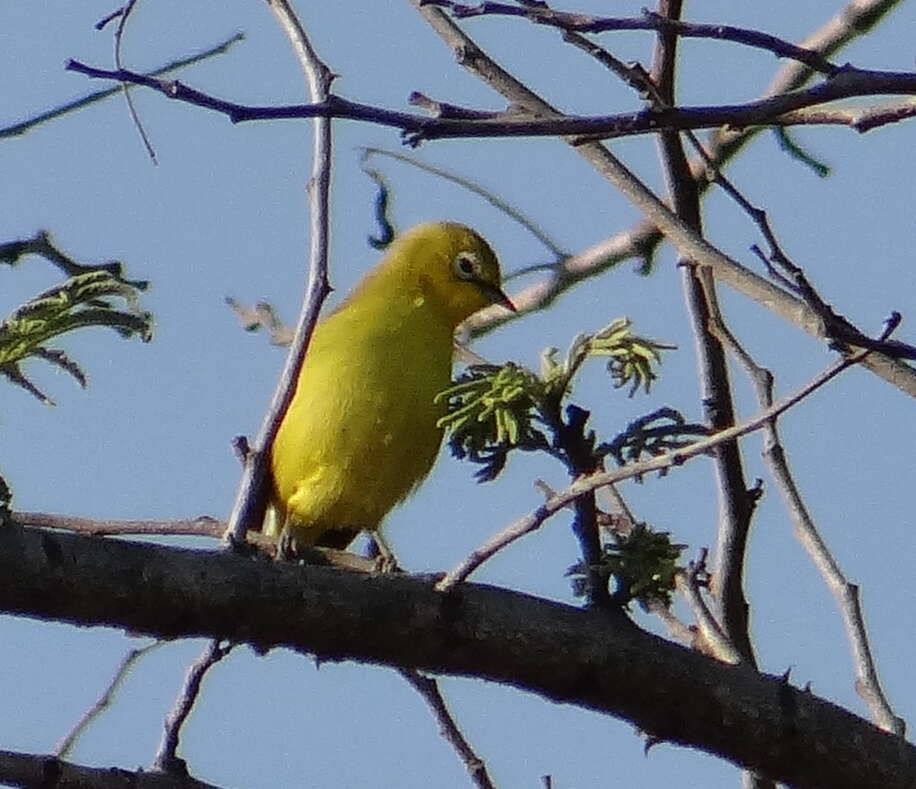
498 297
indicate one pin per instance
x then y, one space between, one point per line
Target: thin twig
204 526
11 252
716 642
71 106
122 15
63 748
861 119
583 23
493 199
791 276
262 316
167 758
251 500
428 688
867 684
621 504
676 628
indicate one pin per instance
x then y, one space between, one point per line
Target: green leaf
491 410
79 302
642 562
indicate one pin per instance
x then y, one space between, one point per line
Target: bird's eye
466 265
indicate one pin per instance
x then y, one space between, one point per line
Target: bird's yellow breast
361 429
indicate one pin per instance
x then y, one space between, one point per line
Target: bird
360 433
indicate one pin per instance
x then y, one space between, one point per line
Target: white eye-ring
467 265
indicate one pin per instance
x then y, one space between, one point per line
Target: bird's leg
386 561
293 543
287 549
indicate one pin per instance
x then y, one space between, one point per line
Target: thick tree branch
561 653
30 770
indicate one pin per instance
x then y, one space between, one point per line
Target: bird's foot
385 560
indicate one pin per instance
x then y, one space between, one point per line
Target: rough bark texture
48 772
562 653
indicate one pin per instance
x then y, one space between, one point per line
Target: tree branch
585 23
850 82
853 20
735 504
30 770
561 653
167 758
253 492
65 746
428 688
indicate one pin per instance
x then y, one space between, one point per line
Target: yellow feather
361 430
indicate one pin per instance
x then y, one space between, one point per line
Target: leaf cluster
80 301
630 358
493 409
663 430
642 562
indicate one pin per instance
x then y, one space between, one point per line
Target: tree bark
562 653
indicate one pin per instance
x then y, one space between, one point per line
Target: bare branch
849 83
867 684
72 106
846 594
735 504
251 500
716 643
855 19
428 688
497 202
861 119
167 758
687 242
203 526
63 748
122 15
583 23
41 245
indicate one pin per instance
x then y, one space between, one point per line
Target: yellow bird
360 433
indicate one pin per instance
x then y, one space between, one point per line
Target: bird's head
451 266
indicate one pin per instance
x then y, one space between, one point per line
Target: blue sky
224 214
